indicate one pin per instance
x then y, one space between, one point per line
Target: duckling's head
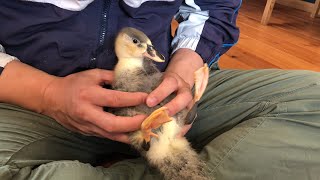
132 44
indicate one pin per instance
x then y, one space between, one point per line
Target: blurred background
290 40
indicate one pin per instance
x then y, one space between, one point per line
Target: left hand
179 78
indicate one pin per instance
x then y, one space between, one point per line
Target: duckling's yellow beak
153 54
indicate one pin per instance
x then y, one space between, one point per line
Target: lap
260 124
28 140
134 169
251 125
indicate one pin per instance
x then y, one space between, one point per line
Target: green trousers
259 124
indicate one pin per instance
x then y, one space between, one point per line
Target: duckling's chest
137 80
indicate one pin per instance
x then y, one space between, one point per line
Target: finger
107 76
121 137
102 76
114 124
167 87
89 129
98 132
180 102
111 98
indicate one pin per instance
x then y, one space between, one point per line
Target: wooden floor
290 41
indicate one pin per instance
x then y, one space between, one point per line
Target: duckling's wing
201 77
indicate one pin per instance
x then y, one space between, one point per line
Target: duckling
157 139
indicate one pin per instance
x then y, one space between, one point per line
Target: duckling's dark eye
135 41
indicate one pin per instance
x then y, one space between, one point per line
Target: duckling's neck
128 64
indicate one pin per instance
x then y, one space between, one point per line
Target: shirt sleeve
4 58
208 27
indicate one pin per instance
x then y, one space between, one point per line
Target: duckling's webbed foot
154 121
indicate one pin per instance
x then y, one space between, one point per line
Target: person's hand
171 83
76 102
178 78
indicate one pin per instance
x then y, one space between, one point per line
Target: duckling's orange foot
154 121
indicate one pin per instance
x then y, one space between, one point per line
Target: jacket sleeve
208 27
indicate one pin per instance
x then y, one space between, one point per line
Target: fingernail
152 101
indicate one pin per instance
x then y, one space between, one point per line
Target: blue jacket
63 37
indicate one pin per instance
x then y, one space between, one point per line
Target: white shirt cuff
186 42
5 59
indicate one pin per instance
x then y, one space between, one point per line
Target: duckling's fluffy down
173 155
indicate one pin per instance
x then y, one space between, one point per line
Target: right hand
76 102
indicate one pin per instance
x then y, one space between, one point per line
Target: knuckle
85 117
140 95
174 105
188 94
83 93
110 129
186 85
77 111
172 80
99 74
95 72
139 98
174 108
114 100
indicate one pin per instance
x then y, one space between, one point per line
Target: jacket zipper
103 32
